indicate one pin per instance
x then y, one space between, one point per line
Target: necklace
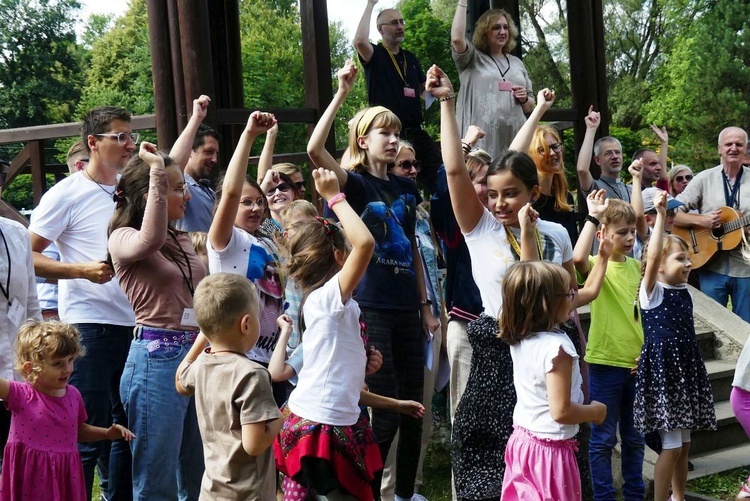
86 170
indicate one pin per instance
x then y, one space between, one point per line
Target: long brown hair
541 160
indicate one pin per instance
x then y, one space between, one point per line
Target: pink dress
41 459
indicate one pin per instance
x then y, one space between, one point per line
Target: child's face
506 195
623 237
250 212
675 266
53 380
668 221
381 144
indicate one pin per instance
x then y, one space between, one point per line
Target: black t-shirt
385 87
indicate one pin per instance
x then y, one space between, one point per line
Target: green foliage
39 63
20 194
705 84
96 27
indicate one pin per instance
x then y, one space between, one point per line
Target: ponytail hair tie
329 227
119 197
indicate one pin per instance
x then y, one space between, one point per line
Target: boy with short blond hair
614 342
237 415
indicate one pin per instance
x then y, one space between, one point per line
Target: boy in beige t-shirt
237 415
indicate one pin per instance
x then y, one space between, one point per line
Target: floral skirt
324 457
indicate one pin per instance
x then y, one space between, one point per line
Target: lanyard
732 198
502 75
189 282
6 290
517 248
395 63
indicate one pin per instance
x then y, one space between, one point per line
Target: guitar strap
731 193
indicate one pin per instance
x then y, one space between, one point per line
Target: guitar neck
736 224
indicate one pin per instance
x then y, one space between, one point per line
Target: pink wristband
336 199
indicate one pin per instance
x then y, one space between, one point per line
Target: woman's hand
438 84
346 76
259 123
519 92
545 98
596 202
326 183
148 154
592 119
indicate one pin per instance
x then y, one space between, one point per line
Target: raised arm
654 250
596 202
221 227
316 147
594 282
458 28
362 36
266 156
356 232
583 165
636 200
466 205
663 149
522 141
181 149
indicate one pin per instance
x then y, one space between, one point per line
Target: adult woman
679 177
265 163
554 203
158 270
280 191
495 87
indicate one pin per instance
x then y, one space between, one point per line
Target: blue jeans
615 388
97 377
721 287
167 450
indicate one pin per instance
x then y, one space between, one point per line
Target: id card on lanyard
402 72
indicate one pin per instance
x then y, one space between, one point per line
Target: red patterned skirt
351 452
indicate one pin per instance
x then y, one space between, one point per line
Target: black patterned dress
672 389
484 418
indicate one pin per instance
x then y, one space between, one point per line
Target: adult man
394 79
728 184
75 214
203 158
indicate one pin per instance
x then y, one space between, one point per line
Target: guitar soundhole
718 233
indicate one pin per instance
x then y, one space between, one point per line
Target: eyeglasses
283 187
122 137
300 185
556 147
408 165
184 189
260 203
669 213
686 177
394 23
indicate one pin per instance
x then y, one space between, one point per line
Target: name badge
502 85
409 92
15 312
188 318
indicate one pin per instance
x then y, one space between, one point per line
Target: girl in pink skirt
540 460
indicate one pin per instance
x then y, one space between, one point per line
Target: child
672 391
614 343
41 459
199 239
323 444
540 455
238 419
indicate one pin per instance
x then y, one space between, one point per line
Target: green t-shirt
615 336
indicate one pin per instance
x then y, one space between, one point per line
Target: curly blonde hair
484 25
40 342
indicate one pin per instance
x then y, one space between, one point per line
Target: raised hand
605 246
149 155
438 84
592 119
527 217
660 133
636 169
326 183
346 76
259 123
660 203
200 106
545 98
285 325
473 134
596 202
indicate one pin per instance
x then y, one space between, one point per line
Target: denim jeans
721 287
615 388
97 377
167 450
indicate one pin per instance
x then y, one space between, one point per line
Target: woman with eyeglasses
554 202
280 191
679 177
495 86
236 243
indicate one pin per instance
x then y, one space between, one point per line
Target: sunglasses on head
408 165
283 187
686 177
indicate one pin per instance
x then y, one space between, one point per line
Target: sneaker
744 492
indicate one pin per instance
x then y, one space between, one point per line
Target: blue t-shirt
388 208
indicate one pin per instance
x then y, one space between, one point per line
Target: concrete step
721 374
720 460
728 434
706 342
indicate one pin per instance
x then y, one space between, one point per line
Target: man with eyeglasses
727 274
394 79
75 214
203 158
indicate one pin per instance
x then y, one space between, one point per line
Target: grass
437 474
721 485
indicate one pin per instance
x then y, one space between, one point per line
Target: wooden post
178 78
36 158
161 69
197 64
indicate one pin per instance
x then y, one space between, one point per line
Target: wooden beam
56 131
178 77
10 212
161 70
197 63
289 115
38 182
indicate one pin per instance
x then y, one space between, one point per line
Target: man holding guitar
722 197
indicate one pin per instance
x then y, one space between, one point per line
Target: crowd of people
180 338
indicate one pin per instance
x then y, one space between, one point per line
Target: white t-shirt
657 294
532 360
335 359
491 255
75 214
255 259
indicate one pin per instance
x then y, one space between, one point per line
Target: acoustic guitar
705 242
